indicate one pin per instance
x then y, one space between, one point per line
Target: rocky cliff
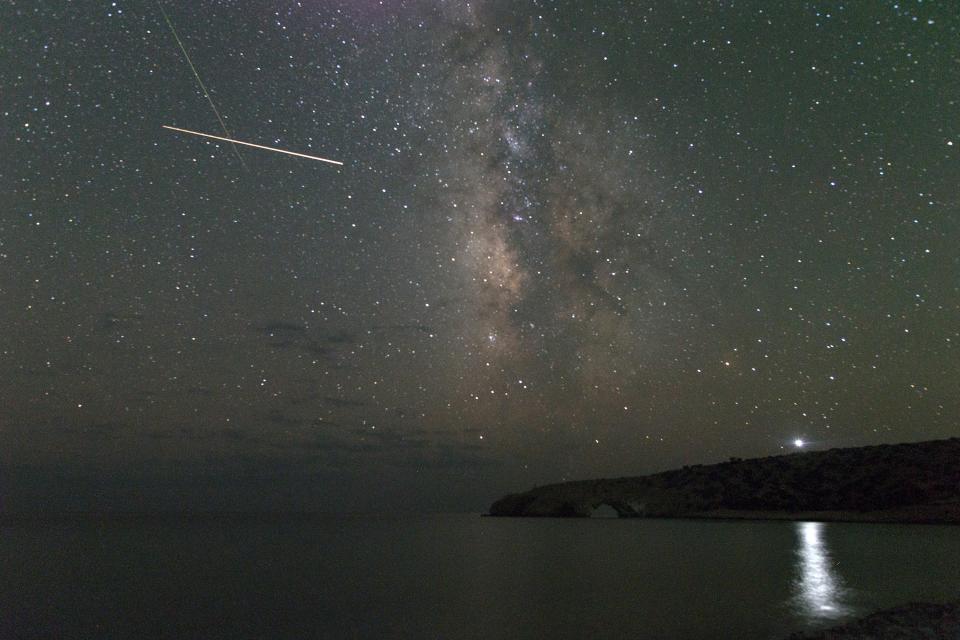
916 482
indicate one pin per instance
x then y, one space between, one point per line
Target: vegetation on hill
915 481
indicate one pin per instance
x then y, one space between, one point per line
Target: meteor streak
199 81
250 144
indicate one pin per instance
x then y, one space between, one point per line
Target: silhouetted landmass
916 482
914 621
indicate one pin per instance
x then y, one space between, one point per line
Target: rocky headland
914 482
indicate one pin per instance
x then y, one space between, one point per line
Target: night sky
569 240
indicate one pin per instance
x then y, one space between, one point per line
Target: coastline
920 514
945 514
907 483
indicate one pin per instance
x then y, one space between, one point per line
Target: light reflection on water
819 588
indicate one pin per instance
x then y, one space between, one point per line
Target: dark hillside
904 482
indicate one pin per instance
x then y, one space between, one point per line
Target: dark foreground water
461 577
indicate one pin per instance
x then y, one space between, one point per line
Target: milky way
569 240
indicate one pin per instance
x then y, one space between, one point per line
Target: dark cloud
337 338
325 422
281 329
111 322
342 403
176 433
325 346
39 372
318 350
281 419
403 328
100 430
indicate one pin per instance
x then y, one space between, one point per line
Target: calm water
462 577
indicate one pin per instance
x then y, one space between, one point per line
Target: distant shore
915 482
913 621
947 515
920 514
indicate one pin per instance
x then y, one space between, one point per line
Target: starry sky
569 239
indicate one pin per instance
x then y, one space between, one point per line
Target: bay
460 576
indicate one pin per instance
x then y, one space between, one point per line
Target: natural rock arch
604 510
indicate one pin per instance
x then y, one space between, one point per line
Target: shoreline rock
912 621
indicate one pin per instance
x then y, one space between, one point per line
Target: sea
459 576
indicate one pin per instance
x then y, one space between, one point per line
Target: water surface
461 576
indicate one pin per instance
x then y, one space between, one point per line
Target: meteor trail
250 144
199 81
